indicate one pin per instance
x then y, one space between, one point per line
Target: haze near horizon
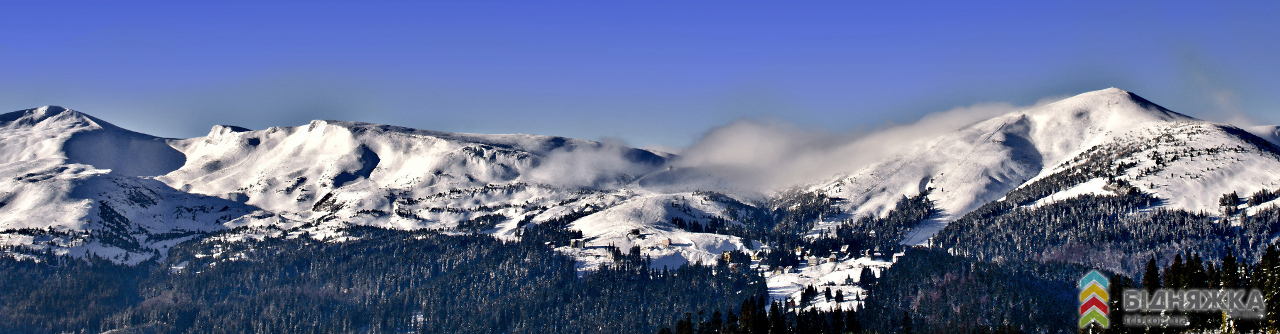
659 75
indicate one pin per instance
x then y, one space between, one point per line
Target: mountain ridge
982 162
327 174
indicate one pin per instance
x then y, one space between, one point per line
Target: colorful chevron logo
1093 299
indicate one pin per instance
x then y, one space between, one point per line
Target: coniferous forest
1002 268
380 281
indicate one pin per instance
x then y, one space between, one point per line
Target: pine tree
807 295
1151 277
1213 276
685 326
777 320
866 278
837 321
716 323
1263 273
1267 278
754 319
1230 272
1197 276
761 322
1173 275
851 323
747 314
906 323
1117 287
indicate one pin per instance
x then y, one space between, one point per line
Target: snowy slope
399 177
78 175
409 179
332 173
983 162
84 186
845 274
69 136
1269 132
69 188
651 215
288 169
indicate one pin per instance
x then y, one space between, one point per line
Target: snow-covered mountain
79 185
332 173
384 175
1269 132
70 185
74 184
1109 135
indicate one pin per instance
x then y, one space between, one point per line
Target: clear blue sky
645 72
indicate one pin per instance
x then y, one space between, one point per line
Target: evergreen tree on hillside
1151 276
906 322
852 325
1230 274
1173 276
777 320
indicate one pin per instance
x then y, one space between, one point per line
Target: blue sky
644 72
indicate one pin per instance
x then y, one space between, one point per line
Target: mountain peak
1120 107
1113 90
47 112
51 113
52 110
225 129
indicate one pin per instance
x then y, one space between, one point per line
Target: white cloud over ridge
763 156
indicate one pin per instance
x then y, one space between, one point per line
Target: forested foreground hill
385 281
380 281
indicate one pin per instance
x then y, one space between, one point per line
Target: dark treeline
64 294
1192 271
784 222
378 281
782 218
795 212
753 318
930 291
940 292
866 233
1103 231
1262 196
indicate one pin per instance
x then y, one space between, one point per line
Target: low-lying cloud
610 163
768 155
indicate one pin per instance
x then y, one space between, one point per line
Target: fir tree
777 320
906 322
851 322
1151 277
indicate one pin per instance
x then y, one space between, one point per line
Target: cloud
609 163
769 155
